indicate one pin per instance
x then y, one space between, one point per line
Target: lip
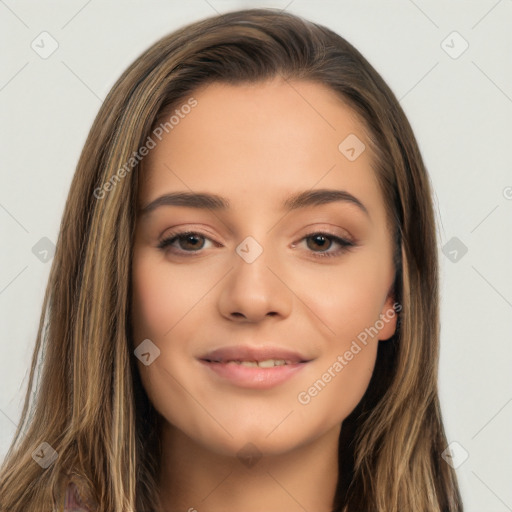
248 353
221 363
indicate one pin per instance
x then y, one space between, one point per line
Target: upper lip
248 353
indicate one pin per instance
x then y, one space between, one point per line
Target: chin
260 438
246 446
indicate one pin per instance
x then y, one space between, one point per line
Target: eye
186 240
325 241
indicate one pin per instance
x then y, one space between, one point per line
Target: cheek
163 307
161 297
336 389
348 299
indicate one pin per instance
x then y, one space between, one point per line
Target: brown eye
186 242
320 243
190 241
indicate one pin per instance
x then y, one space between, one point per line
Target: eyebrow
218 203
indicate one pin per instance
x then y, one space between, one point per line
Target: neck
195 479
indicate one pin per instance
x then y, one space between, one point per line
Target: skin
257 144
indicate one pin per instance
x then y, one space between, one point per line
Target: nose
253 290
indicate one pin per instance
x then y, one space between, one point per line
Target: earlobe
388 318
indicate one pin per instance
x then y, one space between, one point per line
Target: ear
388 318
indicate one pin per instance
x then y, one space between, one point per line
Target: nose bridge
256 258
250 250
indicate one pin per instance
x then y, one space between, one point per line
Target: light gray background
460 109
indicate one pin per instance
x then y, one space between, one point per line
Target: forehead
260 142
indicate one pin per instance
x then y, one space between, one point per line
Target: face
263 316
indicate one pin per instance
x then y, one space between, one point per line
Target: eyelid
313 229
189 228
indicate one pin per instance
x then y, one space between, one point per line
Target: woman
199 352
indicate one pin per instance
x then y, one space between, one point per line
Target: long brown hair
89 404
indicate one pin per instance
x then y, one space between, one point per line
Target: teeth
269 363
249 363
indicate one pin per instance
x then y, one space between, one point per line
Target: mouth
251 367
265 356
267 363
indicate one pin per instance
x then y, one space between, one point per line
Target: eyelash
346 245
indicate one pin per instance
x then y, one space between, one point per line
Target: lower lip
254 377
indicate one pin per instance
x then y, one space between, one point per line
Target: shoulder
72 501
